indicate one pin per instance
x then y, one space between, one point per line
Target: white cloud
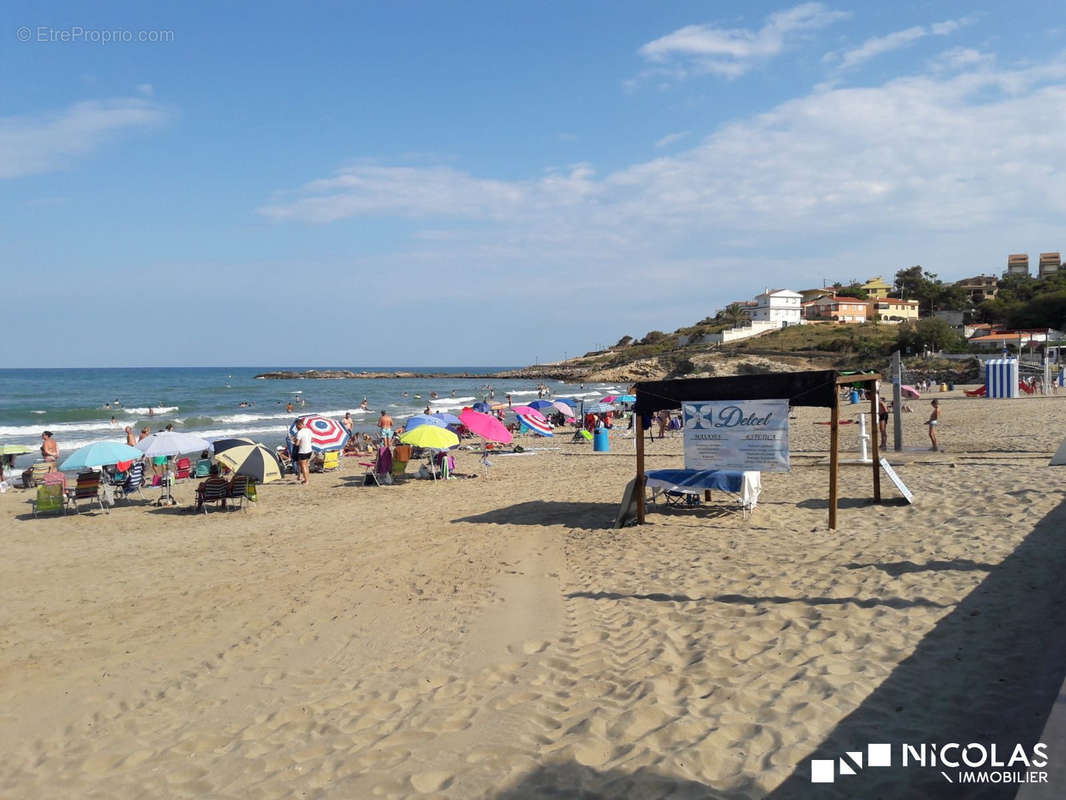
31 145
671 138
730 52
879 45
958 166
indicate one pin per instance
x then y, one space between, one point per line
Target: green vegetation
930 332
932 294
1026 302
867 339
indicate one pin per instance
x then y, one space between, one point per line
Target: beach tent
819 389
1001 377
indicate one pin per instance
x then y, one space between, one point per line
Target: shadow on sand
989 672
549 512
573 781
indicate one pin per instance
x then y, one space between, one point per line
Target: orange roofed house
837 309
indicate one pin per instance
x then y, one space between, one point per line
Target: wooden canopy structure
820 389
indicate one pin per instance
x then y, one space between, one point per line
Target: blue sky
498 183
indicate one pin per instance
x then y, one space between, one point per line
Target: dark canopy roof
799 388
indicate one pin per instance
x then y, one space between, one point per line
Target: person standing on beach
49 448
932 422
302 451
346 423
145 433
385 427
882 420
131 440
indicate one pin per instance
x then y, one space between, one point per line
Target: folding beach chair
87 489
202 469
238 490
134 481
40 469
49 498
331 460
213 493
182 469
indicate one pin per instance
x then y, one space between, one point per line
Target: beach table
744 486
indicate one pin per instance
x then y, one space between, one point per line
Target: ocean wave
57 428
156 409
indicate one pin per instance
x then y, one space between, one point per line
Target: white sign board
737 434
903 490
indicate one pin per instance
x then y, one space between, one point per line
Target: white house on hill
780 306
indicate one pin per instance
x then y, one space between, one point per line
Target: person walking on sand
882 420
302 451
385 427
932 422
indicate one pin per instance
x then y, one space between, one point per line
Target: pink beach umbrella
609 398
529 411
485 425
909 392
563 409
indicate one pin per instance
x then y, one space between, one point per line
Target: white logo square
822 770
879 755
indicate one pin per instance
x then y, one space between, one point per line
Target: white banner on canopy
737 434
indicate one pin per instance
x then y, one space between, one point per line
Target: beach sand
493 637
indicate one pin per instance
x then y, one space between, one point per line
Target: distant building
892 309
997 340
814 294
837 309
1049 264
980 288
779 306
1017 264
876 288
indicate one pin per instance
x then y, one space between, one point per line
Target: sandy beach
494 638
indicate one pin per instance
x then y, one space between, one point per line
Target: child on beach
934 419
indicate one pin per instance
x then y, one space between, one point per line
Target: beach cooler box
600 441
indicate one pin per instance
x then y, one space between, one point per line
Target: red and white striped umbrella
326 433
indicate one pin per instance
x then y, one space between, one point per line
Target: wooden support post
834 458
875 437
638 487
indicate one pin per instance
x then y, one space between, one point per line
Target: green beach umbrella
14 449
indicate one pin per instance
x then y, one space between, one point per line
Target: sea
80 406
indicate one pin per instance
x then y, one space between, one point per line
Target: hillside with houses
858 324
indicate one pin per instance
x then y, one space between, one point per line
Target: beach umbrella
599 408
626 398
418 420
14 449
449 419
567 400
485 425
526 411
482 407
540 405
909 392
564 409
326 433
170 443
99 454
221 445
430 437
538 426
254 460
609 399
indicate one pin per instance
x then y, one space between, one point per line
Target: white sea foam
57 428
155 409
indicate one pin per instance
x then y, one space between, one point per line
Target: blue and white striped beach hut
1001 377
